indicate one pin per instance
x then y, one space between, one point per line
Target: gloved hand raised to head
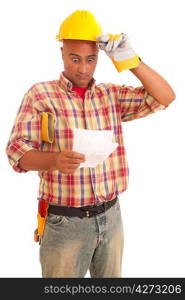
119 49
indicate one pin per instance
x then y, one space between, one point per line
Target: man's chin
82 83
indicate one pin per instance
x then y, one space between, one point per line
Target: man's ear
61 47
62 51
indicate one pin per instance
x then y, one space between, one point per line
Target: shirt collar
67 85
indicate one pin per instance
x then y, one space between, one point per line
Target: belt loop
104 205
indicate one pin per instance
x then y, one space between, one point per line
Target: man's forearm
38 161
155 84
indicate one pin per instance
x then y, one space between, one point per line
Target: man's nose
82 68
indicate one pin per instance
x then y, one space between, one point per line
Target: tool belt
81 212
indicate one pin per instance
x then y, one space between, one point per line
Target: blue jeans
71 245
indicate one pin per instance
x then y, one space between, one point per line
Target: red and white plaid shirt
104 107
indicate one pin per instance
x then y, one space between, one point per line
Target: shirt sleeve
26 132
137 103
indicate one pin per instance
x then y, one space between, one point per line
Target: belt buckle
104 205
87 213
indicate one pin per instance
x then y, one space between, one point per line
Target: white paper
97 145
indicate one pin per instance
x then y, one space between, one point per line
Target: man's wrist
136 68
39 161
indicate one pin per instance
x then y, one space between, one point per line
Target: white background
153 206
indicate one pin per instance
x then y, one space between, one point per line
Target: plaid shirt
105 107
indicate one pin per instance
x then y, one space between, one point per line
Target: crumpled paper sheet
97 145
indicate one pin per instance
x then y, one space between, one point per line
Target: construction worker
79 209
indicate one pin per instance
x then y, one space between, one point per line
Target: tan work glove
119 49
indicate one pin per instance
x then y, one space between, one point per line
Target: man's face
80 59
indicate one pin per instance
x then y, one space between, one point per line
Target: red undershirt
81 91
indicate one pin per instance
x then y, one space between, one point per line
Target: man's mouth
83 77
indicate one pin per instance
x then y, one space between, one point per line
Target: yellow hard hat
80 25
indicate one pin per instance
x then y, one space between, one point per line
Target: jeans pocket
53 219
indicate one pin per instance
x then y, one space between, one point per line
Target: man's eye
91 59
75 59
